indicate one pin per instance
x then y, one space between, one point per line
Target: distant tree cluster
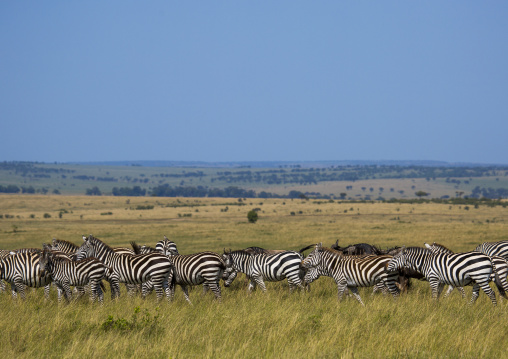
491 193
126 191
15 189
200 191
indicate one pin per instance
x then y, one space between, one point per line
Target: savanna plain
272 324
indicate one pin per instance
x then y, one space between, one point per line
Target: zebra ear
319 245
403 250
166 238
337 242
85 239
54 241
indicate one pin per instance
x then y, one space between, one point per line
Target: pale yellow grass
273 324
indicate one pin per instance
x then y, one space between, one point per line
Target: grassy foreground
272 324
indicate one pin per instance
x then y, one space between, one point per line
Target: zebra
260 267
230 274
66 272
440 248
166 247
440 268
129 269
22 269
350 271
170 248
205 268
494 249
500 265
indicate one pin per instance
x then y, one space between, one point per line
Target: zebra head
86 250
311 275
227 258
229 276
167 247
314 257
398 261
45 262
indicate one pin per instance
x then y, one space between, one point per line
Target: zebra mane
442 247
244 252
74 246
415 250
100 243
333 252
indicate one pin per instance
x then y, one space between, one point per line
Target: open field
272 324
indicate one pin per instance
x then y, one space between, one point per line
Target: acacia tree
420 194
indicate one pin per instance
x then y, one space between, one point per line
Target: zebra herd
160 268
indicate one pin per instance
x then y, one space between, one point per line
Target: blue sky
254 80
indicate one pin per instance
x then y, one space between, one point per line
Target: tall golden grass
271 324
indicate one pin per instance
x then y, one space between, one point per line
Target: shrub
252 216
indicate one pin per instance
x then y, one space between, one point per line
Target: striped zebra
205 268
261 267
22 269
169 248
66 272
440 248
459 270
494 249
129 269
500 266
350 271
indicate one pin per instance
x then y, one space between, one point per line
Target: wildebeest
357 249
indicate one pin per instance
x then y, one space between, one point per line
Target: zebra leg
295 282
14 291
487 290
380 287
392 287
158 286
186 293
93 290
2 286
259 281
80 291
115 288
356 294
252 285
434 287
341 288
67 291
46 291
215 287
20 288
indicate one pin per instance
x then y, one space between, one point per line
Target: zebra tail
136 247
102 286
499 282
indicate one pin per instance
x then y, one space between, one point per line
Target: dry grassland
272 324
